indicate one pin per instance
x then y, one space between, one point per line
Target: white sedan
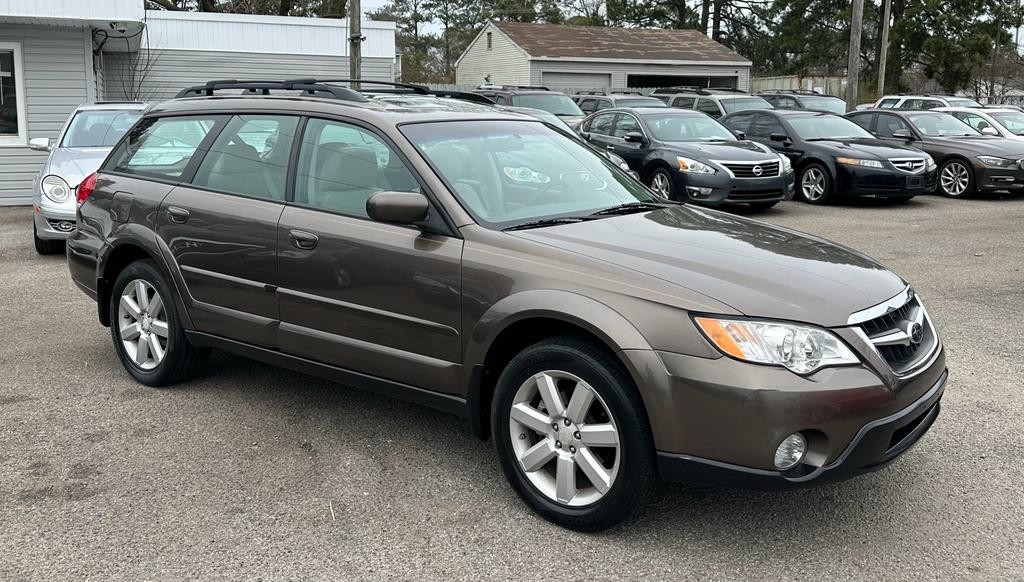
1002 122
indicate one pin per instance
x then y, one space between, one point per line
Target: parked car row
489 264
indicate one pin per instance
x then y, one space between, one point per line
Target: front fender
597 318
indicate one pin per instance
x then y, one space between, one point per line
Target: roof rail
791 92
676 89
725 90
446 93
308 86
513 87
117 102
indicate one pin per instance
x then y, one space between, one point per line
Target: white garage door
580 80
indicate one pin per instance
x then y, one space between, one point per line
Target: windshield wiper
628 208
545 222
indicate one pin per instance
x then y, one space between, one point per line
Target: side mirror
585 135
40 144
779 137
740 134
634 137
988 130
902 134
397 207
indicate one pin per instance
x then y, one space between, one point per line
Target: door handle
303 240
177 215
610 147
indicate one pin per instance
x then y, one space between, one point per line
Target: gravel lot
257 473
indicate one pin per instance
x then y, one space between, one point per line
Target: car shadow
349 419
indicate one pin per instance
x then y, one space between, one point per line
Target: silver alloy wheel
142 324
954 179
812 184
660 184
565 438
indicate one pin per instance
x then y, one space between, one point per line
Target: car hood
868 146
757 269
74 164
981 144
736 151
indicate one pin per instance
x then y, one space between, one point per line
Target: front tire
815 184
956 179
146 329
572 435
662 184
46 246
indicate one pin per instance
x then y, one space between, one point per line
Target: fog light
698 192
790 452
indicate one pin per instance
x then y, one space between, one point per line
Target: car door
632 152
379 299
599 131
764 125
221 228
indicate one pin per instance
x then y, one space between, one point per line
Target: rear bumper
884 183
876 444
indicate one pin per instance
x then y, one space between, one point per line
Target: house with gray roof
559 56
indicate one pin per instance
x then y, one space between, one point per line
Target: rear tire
597 405
146 328
46 246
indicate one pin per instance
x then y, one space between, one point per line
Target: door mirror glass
634 137
902 134
397 207
40 144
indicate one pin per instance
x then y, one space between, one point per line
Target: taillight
85 189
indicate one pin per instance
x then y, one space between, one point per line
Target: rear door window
162 147
863 120
888 103
739 122
683 102
250 157
708 106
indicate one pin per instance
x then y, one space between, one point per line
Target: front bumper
999 179
53 223
876 445
721 188
883 182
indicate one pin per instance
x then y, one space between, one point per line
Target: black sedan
968 161
687 156
836 157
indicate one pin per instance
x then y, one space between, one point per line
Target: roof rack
725 90
446 93
513 87
612 92
117 102
307 86
676 89
792 92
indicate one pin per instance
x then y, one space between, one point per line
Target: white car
1004 122
924 102
81 146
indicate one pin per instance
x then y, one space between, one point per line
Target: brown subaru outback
489 265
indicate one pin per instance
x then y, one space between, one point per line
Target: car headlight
929 163
859 162
55 188
800 348
996 162
787 166
692 166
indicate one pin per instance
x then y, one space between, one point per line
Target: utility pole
883 54
355 42
853 63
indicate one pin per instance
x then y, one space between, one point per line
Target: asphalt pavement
256 473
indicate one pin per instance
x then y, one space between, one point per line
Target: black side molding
443 402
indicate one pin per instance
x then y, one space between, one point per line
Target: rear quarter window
162 147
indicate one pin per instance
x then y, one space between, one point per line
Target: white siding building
587 57
58 54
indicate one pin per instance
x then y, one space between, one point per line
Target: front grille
765 169
757 195
909 165
903 336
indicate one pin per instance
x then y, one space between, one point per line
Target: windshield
99 128
831 104
940 125
745 103
963 103
827 126
1013 121
554 102
687 127
511 172
640 102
